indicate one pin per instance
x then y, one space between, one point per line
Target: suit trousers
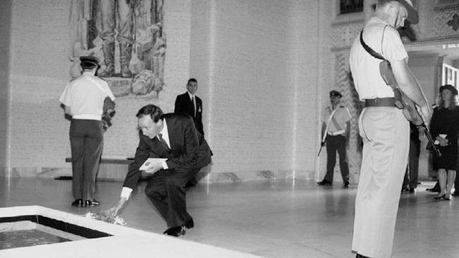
166 190
335 144
386 134
412 171
86 142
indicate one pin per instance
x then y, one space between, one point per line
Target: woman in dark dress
444 128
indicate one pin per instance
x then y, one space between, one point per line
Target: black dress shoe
346 185
324 182
175 231
89 203
440 197
189 224
78 203
361 256
434 189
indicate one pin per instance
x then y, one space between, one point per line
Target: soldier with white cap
336 127
383 127
83 99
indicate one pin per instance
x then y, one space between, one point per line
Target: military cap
335 93
413 16
89 62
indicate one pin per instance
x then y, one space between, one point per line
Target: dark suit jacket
184 105
189 149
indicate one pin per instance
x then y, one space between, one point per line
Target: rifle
410 110
321 146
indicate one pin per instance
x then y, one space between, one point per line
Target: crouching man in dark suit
185 151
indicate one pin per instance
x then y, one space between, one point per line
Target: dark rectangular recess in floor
57 224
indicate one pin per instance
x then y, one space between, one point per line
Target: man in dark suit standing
183 150
189 103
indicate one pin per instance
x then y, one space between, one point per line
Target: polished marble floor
280 218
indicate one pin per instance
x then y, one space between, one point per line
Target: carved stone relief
128 39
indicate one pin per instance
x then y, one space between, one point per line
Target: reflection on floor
281 218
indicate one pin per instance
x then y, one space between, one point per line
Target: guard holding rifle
384 128
336 127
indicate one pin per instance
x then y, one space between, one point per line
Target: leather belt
340 132
380 102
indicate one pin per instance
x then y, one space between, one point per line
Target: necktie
163 142
194 106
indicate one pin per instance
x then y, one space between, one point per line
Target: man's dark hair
153 111
191 80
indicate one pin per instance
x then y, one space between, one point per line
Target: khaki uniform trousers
386 135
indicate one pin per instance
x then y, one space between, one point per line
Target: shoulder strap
382 39
328 124
369 49
337 126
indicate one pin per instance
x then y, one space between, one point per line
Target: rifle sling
369 49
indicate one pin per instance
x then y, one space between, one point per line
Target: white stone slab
125 242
